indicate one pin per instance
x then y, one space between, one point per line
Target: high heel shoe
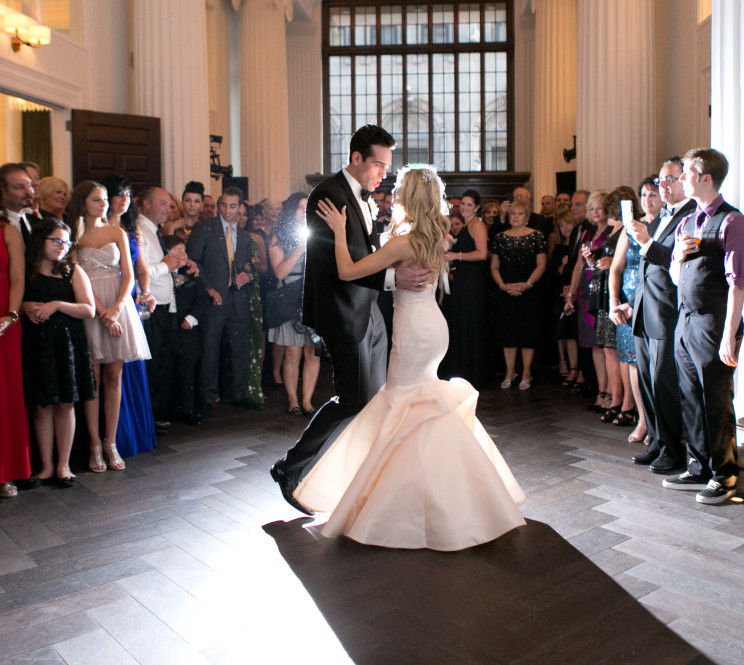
525 384
600 404
570 382
509 382
626 418
634 437
95 462
115 461
611 414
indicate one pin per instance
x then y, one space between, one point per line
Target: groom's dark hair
365 137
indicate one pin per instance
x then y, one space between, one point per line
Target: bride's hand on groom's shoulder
331 216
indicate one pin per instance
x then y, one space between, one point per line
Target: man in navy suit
222 250
346 314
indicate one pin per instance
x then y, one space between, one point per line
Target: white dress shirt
161 282
16 219
356 188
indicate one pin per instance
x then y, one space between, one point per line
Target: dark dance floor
191 556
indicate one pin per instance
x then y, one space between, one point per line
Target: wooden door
104 143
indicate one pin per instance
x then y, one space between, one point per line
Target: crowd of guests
141 311
159 308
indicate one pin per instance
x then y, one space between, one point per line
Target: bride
415 468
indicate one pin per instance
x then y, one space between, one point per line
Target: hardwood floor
191 556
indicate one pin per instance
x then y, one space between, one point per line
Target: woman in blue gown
136 431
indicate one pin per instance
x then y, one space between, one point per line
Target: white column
616 131
264 107
170 75
555 91
304 75
727 102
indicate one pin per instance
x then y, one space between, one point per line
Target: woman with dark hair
287 256
14 443
57 366
623 281
464 307
116 335
192 201
136 431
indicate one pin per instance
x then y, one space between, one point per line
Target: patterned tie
230 252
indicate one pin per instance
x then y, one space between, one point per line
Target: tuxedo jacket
336 309
207 248
655 299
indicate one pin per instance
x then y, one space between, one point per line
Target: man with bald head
160 328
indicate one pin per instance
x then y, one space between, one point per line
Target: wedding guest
14 441
287 248
53 197
176 209
57 365
707 268
591 238
465 307
655 317
209 207
191 202
191 312
135 432
115 335
518 261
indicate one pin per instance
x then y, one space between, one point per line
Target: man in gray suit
654 315
222 250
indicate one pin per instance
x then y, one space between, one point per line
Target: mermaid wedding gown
415 468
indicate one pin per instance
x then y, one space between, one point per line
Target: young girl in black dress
57 368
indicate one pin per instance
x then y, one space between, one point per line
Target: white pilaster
616 131
169 54
555 91
264 107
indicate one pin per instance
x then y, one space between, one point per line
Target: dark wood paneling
104 143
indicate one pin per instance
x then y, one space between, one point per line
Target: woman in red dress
14 444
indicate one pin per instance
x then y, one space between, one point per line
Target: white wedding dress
415 468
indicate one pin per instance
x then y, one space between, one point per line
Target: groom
345 314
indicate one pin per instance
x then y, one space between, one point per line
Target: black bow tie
666 212
365 195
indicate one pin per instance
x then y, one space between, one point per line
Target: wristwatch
13 316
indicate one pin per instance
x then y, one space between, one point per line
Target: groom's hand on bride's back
410 279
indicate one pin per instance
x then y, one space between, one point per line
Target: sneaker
685 481
715 493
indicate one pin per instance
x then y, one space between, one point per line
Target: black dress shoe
288 484
645 458
665 464
67 481
193 419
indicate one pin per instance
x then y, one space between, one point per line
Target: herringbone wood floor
191 556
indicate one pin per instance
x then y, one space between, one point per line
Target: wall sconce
24 30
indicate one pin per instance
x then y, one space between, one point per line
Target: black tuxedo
208 249
346 316
654 320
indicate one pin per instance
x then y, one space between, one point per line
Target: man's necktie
365 195
666 212
230 253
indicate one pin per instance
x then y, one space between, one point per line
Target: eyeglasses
666 180
58 242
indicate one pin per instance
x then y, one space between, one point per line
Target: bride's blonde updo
419 192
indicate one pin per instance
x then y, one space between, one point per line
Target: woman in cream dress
115 335
415 468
